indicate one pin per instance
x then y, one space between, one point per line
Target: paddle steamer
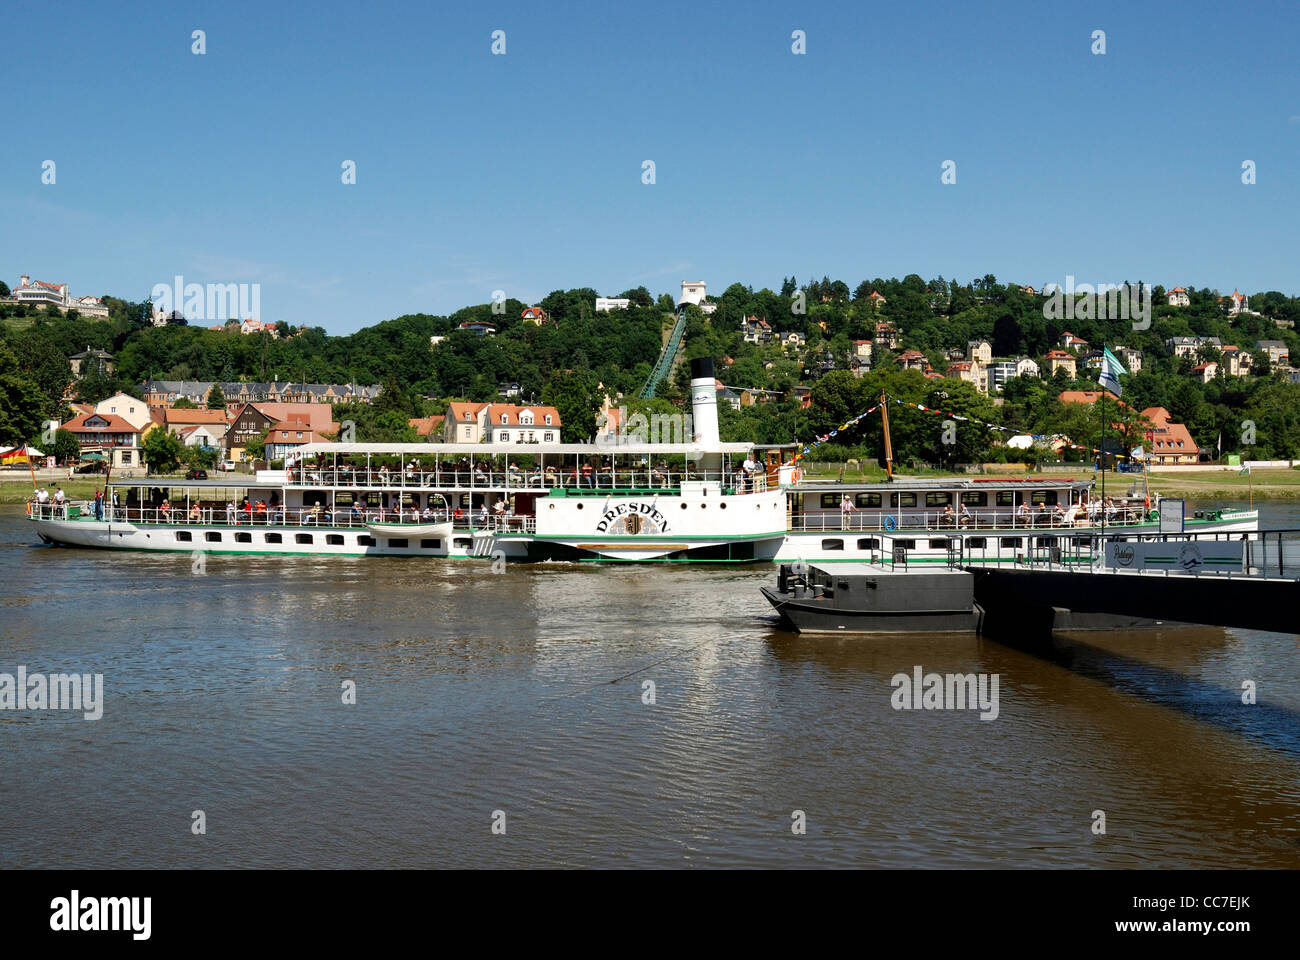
703 501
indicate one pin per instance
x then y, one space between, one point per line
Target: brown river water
522 692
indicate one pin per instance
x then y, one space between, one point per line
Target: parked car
196 475
227 465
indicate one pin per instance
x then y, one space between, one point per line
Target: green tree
185 403
255 448
22 404
216 399
162 451
571 396
66 447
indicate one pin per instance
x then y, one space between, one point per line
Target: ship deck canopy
518 449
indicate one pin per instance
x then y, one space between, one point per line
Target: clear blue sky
523 172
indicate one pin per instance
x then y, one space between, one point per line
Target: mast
1101 459
31 469
889 448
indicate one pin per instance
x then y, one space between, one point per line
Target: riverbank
15 490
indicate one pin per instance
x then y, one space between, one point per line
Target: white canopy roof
522 449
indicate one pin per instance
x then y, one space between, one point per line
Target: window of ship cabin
868 543
938 499
974 498
183 536
1046 497
409 500
1007 498
832 544
430 544
273 538
902 499
212 536
461 542
365 541
1009 542
334 539
938 544
976 543
397 543
829 502
866 501
343 499
905 544
303 538
374 499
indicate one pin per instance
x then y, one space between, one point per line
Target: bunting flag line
1066 442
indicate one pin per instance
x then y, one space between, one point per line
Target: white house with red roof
533 315
1236 361
38 293
509 423
1168 442
1070 342
1178 297
110 435
1240 304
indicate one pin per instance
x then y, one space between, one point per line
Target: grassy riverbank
13 490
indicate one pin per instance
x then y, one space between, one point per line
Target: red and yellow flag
14 456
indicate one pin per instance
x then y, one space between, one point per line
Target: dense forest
579 356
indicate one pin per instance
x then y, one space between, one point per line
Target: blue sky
522 172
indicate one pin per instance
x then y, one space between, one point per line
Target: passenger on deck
230 512
966 518
947 517
195 513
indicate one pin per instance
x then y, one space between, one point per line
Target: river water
517 699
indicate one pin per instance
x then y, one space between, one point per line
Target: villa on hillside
38 293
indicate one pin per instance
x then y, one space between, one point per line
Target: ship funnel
704 403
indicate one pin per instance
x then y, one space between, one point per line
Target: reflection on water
523 692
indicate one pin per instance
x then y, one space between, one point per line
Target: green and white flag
1111 368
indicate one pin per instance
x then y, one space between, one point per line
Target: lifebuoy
1153 515
891 523
796 475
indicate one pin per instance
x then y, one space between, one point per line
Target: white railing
983 520
475 478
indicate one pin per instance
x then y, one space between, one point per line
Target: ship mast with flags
1111 368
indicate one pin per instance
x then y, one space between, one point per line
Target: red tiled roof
176 415
113 424
512 413
427 426
464 412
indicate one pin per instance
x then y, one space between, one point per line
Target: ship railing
1264 554
869 519
480 477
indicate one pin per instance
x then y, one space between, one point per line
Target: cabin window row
970 498
331 539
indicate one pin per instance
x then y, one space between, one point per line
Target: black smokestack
701 368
